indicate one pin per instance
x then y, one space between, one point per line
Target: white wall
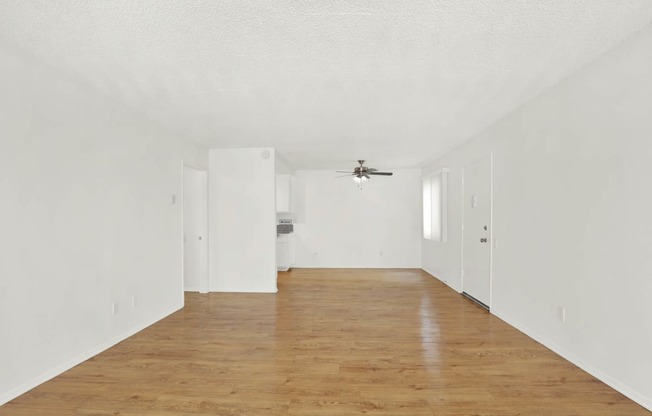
282 166
339 225
242 220
86 220
572 202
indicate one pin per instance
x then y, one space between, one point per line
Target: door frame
203 250
491 222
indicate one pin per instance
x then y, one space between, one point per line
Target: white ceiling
396 82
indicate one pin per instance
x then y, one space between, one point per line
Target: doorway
477 233
195 226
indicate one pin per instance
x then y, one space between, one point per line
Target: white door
476 277
195 263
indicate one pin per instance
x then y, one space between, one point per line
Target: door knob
483 240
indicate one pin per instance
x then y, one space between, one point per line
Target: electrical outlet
115 308
133 301
381 254
561 313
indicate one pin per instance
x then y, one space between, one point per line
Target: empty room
326 208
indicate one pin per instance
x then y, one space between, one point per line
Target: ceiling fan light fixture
361 174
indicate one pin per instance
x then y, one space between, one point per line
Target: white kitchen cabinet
283 193
283 252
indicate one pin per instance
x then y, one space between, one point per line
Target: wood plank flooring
331 342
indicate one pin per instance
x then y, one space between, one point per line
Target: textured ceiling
325 82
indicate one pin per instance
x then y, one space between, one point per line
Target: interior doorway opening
195 229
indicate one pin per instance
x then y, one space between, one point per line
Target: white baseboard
447 283
236 289
192 289
355 266
620 387
50 374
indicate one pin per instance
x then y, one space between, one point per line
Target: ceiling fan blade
372 170
381 173
342 176
344 171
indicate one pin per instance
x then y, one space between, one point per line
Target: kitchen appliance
284 226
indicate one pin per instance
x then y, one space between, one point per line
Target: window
434 206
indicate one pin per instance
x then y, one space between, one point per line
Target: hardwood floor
331 342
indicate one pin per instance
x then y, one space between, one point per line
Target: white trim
357 266
59 369
491 228
194 165
444 205
437 172
236 289
631 393
462 236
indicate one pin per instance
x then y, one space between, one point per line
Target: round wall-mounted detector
265 154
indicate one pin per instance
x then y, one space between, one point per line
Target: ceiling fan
362 173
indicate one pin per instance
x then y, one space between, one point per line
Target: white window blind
434 206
